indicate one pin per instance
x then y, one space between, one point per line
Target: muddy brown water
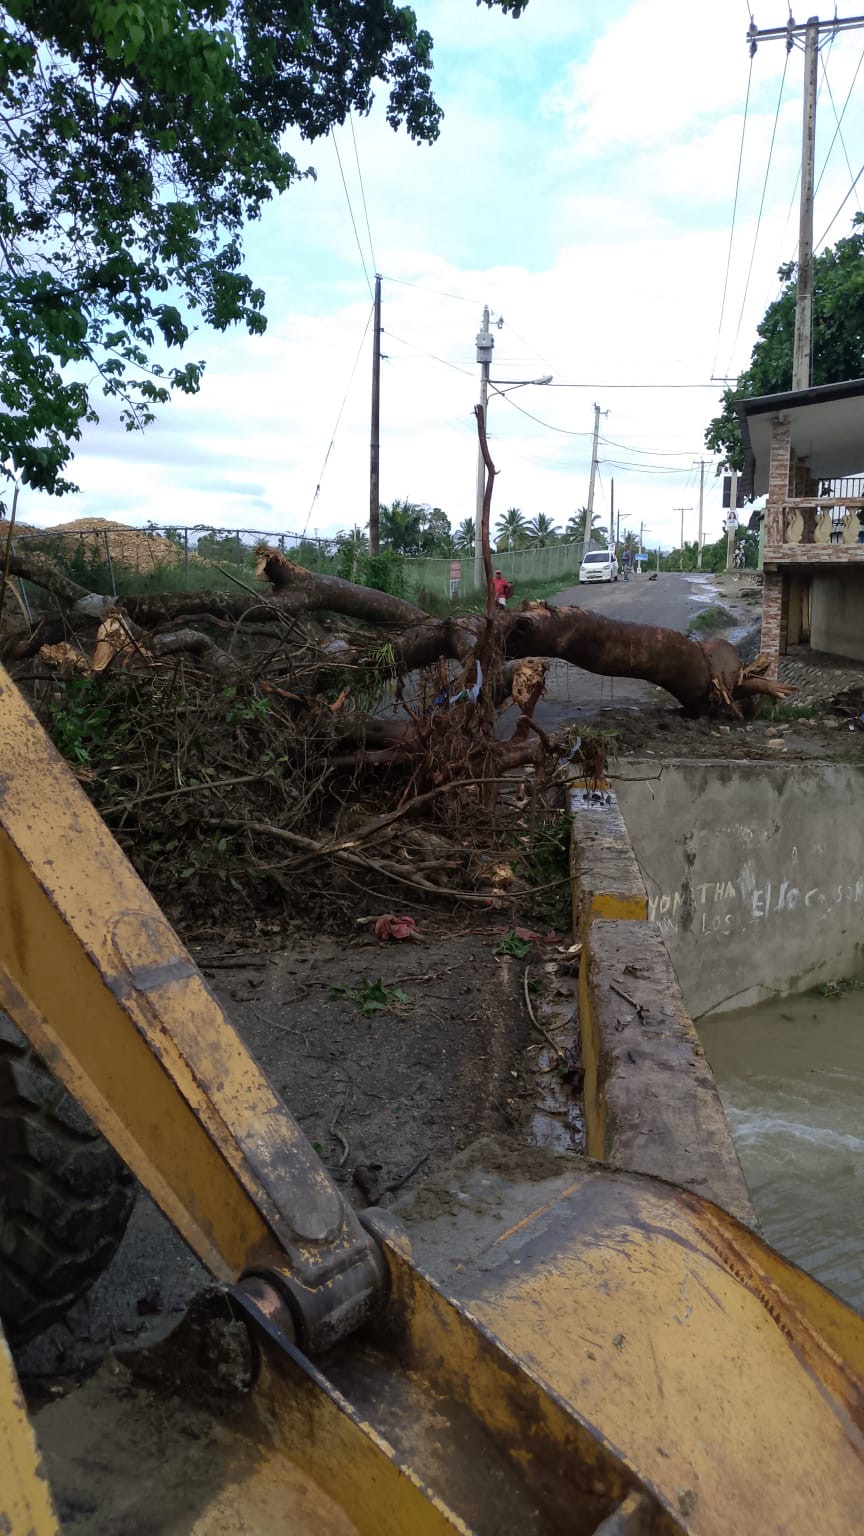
791 1076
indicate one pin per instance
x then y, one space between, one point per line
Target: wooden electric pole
375 439
485 346
804 299
590 512
810 30
682 510
702 463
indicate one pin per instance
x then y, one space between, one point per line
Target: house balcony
815 530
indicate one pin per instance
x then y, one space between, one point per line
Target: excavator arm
728 1391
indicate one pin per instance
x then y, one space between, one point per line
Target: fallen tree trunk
703 677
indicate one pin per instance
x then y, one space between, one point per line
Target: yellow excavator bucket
625 1357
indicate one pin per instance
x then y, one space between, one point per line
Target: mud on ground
392 1094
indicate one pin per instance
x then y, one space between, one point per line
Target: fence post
186 559
22 587
281 543
110 566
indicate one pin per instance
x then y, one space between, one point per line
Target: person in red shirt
503 589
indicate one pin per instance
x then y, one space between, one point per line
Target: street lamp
496 386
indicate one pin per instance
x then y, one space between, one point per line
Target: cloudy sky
582 187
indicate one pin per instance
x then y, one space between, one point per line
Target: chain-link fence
112 557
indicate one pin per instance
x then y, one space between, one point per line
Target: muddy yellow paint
608 904
92 972
26 1508
593 1098
728 1380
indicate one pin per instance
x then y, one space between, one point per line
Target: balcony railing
823 520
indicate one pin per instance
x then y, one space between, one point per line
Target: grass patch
710 620
475 602
792 712
837 988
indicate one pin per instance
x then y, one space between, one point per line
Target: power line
842 206
650 469
538 355
362 190
654 453
424 288
338 418
351 212
839 120
701 384
837 133
761 207
734 208
565 431
435 359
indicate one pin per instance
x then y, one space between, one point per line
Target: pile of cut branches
294 739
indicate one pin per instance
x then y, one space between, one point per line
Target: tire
65 1195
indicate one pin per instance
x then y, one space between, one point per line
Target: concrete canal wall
754 872
651 1104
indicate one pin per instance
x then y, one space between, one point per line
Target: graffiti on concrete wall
729 905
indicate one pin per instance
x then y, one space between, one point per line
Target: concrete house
805 448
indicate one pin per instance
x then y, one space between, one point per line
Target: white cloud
583 188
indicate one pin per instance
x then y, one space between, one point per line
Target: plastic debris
389 926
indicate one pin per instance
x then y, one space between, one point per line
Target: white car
599 565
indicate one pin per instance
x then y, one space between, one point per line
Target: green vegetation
138 142
79 721
838 337
792 712
373 997
512 945
837 988
710 620
713 555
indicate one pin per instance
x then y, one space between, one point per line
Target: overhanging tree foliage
838 337
137 139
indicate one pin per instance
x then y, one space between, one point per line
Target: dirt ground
385 1096
389 1096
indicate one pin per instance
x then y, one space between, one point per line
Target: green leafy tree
838 338
510 529
542 530
351 551
436 537
137 139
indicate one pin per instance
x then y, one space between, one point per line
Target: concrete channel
754 873
702 888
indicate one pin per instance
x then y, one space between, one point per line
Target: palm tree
510 529
463 538
401 526
575 529
542 530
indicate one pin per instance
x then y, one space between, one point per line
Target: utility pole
804 296
613 532
590 512
702 463
804 300
375 441
485 346
682 510
732 520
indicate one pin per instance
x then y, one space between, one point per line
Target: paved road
672 600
